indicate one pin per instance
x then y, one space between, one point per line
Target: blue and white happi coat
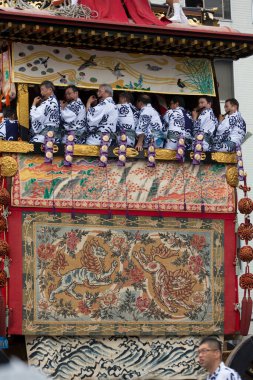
127 122
151 126
101 118
231 132
224 373
206 123
74 119
175 127
45 118
9 130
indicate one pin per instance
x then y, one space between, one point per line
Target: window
225 78
224 8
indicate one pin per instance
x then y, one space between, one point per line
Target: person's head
205 102
104 91
71 93
125 97
231 106
142 101
210 353
10 113
176 101
47 89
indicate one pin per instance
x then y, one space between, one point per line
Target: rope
75 11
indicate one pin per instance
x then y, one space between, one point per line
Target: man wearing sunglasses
210 358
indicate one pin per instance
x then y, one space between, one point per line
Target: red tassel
2 316
7 100
246 314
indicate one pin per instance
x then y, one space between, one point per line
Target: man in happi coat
149 127
101 117
73 113
174 122
45 114
9 128
205 122
128 118
231 129
210 358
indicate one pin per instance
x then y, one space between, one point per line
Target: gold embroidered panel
95 275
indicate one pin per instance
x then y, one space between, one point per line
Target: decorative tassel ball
246 281
5 197
245 206
3 225
245 231
246 253
3 278
4 248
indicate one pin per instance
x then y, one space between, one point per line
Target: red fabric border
231 317
16 281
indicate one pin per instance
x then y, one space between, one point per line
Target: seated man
9 128
102 117
231 129
73 113
149 126
45 114
128 118
175 122
205 122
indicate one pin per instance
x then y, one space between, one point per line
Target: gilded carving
16 147
23 105
130 152
86 150
164 154
232 176
223 157
8 166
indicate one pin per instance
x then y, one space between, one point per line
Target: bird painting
153 67
87 62
181 84
117 71
44 61
63 78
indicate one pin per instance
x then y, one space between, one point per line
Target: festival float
114 263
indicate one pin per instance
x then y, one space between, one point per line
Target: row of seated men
142 124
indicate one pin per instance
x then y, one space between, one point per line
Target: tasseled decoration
49 147
181 149
198 149
122 150
7 100
246 313
239 163
104 145
151 155
69 149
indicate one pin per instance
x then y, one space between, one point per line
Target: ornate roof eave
175 40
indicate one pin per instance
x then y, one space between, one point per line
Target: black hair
9 112
145 99
72 87
214 341
129 97
233 102
209 99
48 84
179 100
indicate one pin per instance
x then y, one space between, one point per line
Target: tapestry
69 358
94 275
128 71
170 186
